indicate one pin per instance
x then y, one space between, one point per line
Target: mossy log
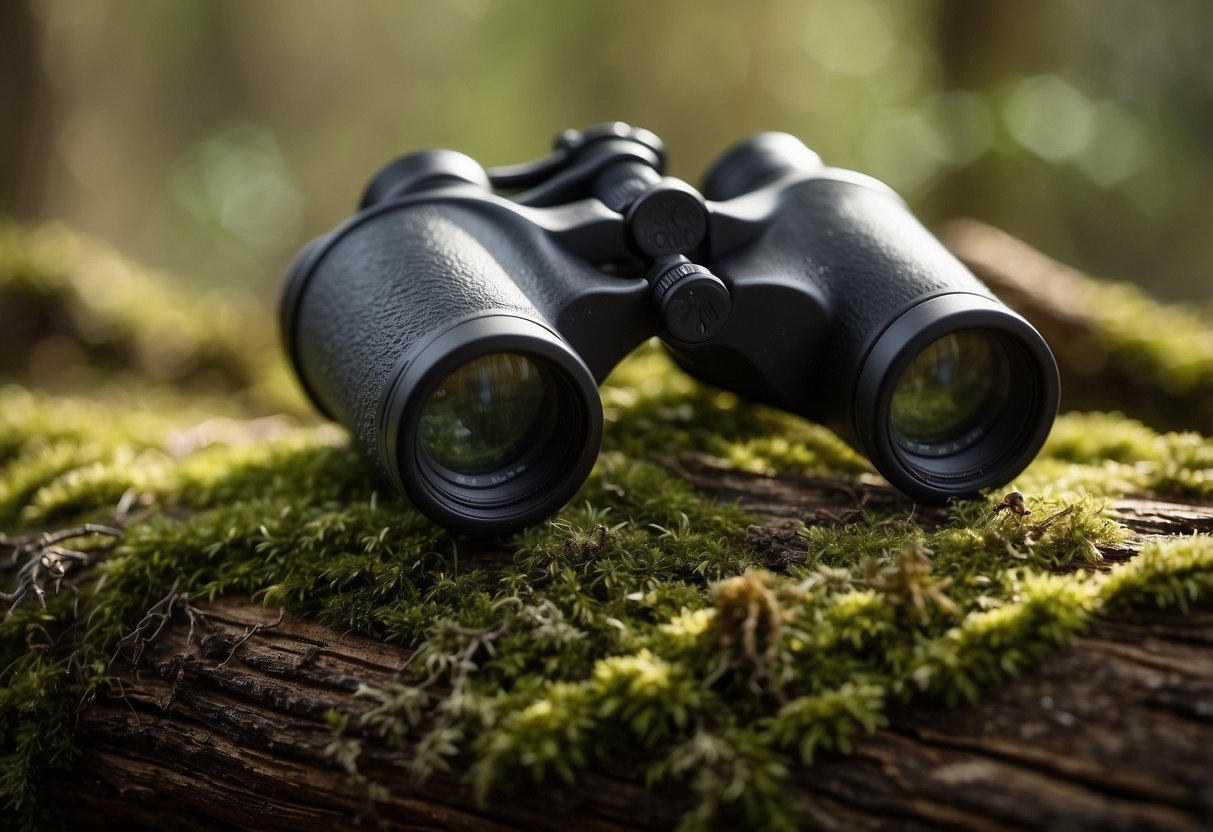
222 731
735 624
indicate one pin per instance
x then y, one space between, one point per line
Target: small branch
256 628
42 564
153 623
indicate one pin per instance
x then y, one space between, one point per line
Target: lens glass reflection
485 414
951 393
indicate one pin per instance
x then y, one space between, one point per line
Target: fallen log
226 719
226 727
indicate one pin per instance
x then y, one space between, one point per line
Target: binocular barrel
461 336
411 327
945 389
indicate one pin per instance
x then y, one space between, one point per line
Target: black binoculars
460 323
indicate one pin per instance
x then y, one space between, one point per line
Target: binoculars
460 323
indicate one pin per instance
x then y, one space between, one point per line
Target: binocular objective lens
951 394
485 415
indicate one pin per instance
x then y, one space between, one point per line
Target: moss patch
639 621
77 316
1170 344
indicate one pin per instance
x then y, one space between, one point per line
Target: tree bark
1114 732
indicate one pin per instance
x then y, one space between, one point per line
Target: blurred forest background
212 138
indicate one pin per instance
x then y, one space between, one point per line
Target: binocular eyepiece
460 323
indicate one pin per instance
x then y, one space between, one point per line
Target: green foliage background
213 137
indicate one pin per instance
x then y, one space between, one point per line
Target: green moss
78 315
1106 454
605 630
1175 573
638 623
38 704
828 721
652 407
1170 344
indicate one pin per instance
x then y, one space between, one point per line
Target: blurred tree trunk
980 46
24 107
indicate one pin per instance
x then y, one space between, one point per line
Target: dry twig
42 564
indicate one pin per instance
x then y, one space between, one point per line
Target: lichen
640 623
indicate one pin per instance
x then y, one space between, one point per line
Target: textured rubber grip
867 255
383 285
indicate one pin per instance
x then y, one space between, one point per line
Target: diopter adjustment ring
693 303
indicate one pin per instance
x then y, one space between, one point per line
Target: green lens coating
484 415
951 393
